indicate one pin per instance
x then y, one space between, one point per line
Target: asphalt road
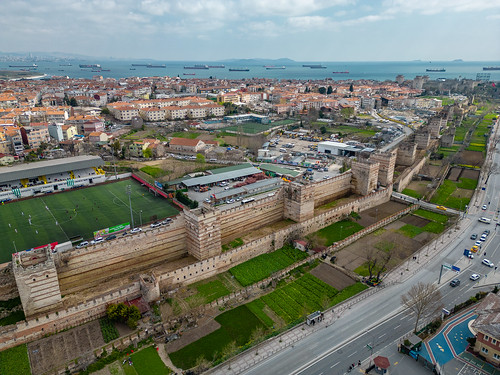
380 320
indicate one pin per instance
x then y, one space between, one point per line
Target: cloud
286 8
308 22
430 7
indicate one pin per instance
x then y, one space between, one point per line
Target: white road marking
351 354
335 364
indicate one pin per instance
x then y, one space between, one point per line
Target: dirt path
166 360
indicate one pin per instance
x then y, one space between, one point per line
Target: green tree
347 112
322 129
329 90
351 88
322 90
105 111
147 153
200 158
115 146
73 103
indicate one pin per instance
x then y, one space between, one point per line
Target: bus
247 200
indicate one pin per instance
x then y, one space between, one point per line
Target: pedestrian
359 363
484 254
22 213
9 225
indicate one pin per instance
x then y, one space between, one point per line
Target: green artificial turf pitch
77 213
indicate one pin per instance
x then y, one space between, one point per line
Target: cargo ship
217 66
344 72
314 66
196 67
491 67
156 66
66 64
189 74
140 65
90 66
239 69
435 70
23 66
272 67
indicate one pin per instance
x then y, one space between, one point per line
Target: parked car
136 230
97 240
474 277
166 221
441 208
486 262
112 237
487 232
82 244
155 225
455 282
473 236
478 244
484 207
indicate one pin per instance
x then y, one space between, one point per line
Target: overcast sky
303 30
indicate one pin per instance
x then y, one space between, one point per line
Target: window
493 341
484 350
496 356
486 337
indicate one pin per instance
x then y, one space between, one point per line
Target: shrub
184 199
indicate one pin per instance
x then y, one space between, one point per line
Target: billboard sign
158 185
110 230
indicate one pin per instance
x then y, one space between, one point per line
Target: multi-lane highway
380 320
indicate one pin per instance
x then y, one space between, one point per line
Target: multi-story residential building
125 113
34 136
69 131
13 135
153 114
94 125
175 112
187 145
98 137
8 100
487 329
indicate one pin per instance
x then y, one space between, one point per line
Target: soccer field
58 217
250 127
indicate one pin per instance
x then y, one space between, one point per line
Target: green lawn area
250 127
447 151
264 265
338 231
257 307
209 291
410 230
283 122
300 297
15 361
412 193
434 216
346 130
153 171
467 183
147 362
77 213
190 135
236 325
446 196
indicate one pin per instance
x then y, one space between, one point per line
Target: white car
474 277
478 244
230 201
82 244
155 225
97 240
486 262
484 207
136 230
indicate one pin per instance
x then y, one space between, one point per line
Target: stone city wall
328 190
220 263
80 269
250 216
407 176
36 328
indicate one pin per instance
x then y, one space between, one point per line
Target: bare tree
202 365
383 267
424 300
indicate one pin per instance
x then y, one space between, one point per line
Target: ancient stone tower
203 232
364 176
387 161
36 279
407 153
299 201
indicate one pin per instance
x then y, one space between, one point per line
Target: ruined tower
364 176
299 201
203 232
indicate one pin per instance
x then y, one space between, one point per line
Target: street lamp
129 192
140 215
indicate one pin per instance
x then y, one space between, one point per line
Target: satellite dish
97 97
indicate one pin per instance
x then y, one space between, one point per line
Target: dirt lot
356 254
54 351
415 220
472 157
454 174
431 170
419 186
371 215
469 173
332 276
205 327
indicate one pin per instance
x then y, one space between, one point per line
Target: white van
484 220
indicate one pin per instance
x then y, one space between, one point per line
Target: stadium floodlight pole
114 162
140 215
15 249
129 192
